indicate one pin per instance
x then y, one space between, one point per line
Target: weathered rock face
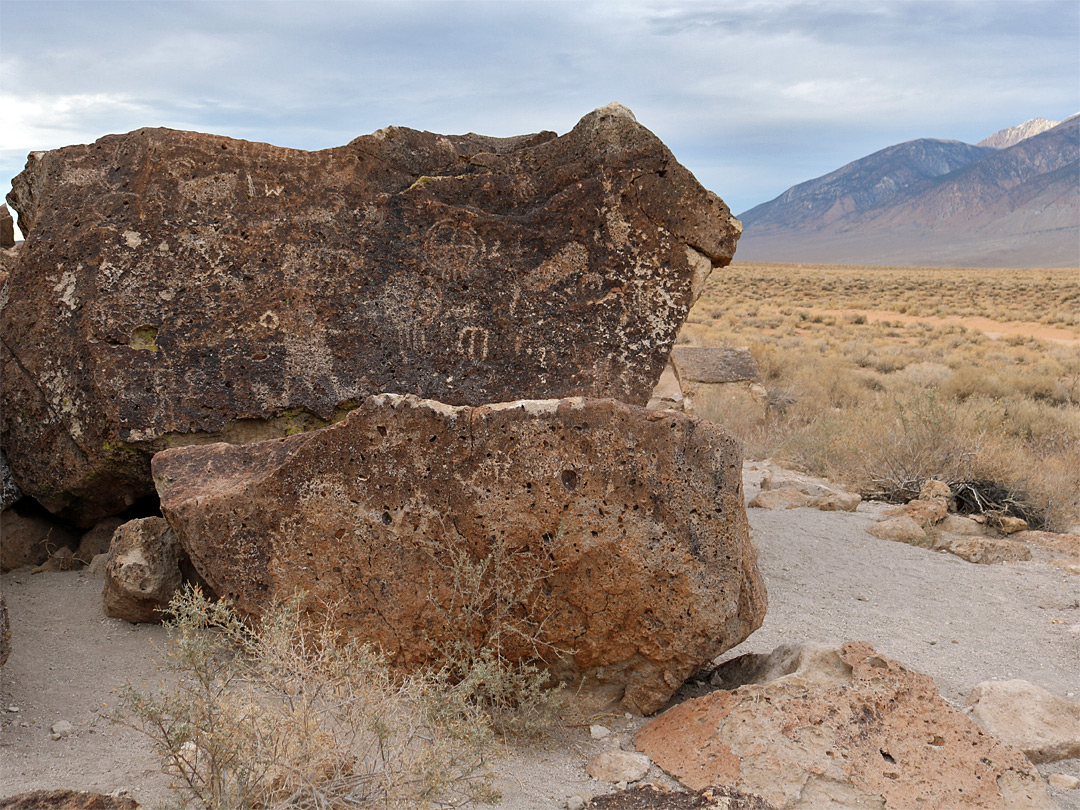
650 797
5 631
629 522
176 287
813 727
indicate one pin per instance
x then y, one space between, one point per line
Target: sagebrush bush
491 603
288 714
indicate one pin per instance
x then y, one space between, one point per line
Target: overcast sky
753 96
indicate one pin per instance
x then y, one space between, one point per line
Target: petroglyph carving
452 249
472 341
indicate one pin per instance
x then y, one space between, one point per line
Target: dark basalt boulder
178 288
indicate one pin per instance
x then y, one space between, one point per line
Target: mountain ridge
929 201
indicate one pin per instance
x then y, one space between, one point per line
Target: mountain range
1013 200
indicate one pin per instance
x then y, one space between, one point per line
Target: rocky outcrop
618 535
1045 726
179 288
818 727
143 572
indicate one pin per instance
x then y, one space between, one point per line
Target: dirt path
990 327
828 581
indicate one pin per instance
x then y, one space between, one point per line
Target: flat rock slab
176 287
629 524
1045 726
714 364
813 728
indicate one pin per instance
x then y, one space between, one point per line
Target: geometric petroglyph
452 249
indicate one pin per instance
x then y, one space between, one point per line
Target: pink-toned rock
630 521
853 729
1043 725
143 572
989 550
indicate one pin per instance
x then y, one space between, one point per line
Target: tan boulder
1043 725
934 490
926 512
783 498
850 729
988 550
901 529
629 524
618 766
821 494
143 572
838 501
180 287
1007 524
962 526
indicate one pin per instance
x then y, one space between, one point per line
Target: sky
752 96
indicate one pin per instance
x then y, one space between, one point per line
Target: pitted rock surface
635 518
816 727
179 288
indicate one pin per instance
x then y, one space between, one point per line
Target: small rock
98 564
62 729
575 803
782 498
837 502
901 529
988 550
618 766
935 489
13 708
960 525
1062 781
1041 724
1007 524
599 732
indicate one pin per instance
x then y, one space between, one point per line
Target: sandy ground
828 581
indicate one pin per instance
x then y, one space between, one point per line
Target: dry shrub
491 603
287 714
